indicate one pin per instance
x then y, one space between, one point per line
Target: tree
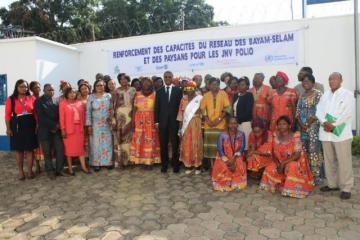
71 21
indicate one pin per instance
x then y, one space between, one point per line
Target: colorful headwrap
283 75
190 86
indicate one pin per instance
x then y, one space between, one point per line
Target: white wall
17 60
55 63
38 59
326 44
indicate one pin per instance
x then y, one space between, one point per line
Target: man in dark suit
166 109
49 133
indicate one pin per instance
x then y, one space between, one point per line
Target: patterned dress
122 124
191 146
256 162
306 109
145 145
283 104
222 178
261 108
297 180
97 116
213 107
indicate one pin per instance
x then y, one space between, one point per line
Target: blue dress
97 116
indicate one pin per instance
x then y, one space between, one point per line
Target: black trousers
53 145
166 134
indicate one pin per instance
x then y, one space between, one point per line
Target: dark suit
48 120
165 115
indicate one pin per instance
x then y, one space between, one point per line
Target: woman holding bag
21 126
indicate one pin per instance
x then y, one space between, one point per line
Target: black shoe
345 195
96 169
21 178
163 170
60 174
51 175
328 189
110 167
176 170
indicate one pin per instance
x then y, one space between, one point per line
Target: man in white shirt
334 112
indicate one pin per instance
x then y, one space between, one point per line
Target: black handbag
13 120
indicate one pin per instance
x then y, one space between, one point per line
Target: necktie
168 93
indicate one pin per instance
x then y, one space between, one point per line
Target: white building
325 44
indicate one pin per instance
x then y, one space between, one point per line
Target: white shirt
339 104
170 89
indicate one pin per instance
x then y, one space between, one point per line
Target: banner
192 55
309 2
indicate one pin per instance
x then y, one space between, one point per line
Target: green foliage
71 21
356 146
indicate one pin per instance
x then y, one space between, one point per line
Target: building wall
55 63
35 59
326 44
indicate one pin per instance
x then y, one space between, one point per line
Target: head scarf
190 86
283 75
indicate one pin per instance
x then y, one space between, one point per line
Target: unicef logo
269 58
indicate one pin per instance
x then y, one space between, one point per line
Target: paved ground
140 204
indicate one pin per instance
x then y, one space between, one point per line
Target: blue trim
4 143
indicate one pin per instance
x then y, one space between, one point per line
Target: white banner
267 49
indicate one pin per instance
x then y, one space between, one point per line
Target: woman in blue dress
98 112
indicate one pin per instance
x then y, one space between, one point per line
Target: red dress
72 120
256 162
283 104
223 179
296 181
261 108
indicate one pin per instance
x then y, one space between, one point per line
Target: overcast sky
255 11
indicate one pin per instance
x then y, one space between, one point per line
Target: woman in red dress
283 101
260 148
229 171
72 122
289 173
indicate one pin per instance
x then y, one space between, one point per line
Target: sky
237 12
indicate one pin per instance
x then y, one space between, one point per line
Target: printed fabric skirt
191 147
296 181
225 180
210 142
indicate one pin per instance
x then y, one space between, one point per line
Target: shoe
176 170
163 170
197 172
345 195
72 174
110 167
51 176
61 174
21 178
88 172
328 189
31 176
96 169
188 172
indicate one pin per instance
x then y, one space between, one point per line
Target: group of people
276 134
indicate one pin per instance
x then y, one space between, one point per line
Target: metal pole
292 9
356 38
303 8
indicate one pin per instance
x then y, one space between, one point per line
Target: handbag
13 120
